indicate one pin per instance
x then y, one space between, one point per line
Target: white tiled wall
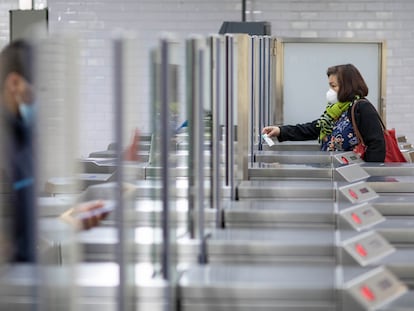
363 19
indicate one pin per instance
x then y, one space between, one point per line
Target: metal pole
253 132
260 90
231 134
226 109
216 65
200 156
269 79
119 212
191 91
165 140
243 10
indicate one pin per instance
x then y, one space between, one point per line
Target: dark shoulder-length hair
351 83
16 57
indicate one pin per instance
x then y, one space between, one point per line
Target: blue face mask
27 113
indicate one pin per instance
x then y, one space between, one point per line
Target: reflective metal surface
285 189
297 157
278 213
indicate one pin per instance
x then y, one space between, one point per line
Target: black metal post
243 10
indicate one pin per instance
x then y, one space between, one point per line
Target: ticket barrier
96 288
290 287
286 286
363 286
219 250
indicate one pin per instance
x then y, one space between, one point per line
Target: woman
334 128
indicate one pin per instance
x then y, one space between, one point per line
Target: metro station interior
201 212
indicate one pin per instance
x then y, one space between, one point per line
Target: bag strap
354 125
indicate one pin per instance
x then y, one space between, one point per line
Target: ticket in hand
97 212
268 140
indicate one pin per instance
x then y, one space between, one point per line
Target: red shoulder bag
392 151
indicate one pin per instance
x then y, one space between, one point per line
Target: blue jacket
18 166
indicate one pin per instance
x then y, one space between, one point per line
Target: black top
367 120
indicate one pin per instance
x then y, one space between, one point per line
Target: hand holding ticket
268 140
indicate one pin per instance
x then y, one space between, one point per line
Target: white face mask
27 113
332 96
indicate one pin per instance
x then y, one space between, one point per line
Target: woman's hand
131 152
86 215
271 131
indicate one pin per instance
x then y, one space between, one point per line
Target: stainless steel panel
180 171
285 189
144 189
275 212
297 157
291 171
100 244
149 213
185 146
249 243
391 184
182 157
401 263
397 230
389 169
404 303
271 246
395 204
97 284
243 245
259 306
295 146
240 283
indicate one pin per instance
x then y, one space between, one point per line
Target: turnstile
96 287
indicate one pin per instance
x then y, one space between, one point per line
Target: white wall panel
363 19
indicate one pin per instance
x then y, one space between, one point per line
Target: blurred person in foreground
17 156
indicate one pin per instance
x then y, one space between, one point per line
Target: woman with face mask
334 128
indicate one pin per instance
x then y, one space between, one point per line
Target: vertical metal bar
231 136
216 133
165 139
252 110
243 10
191 91
255 77
34 228
119 212
260 89
200 156
263 79
264 85
269 78
226 111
